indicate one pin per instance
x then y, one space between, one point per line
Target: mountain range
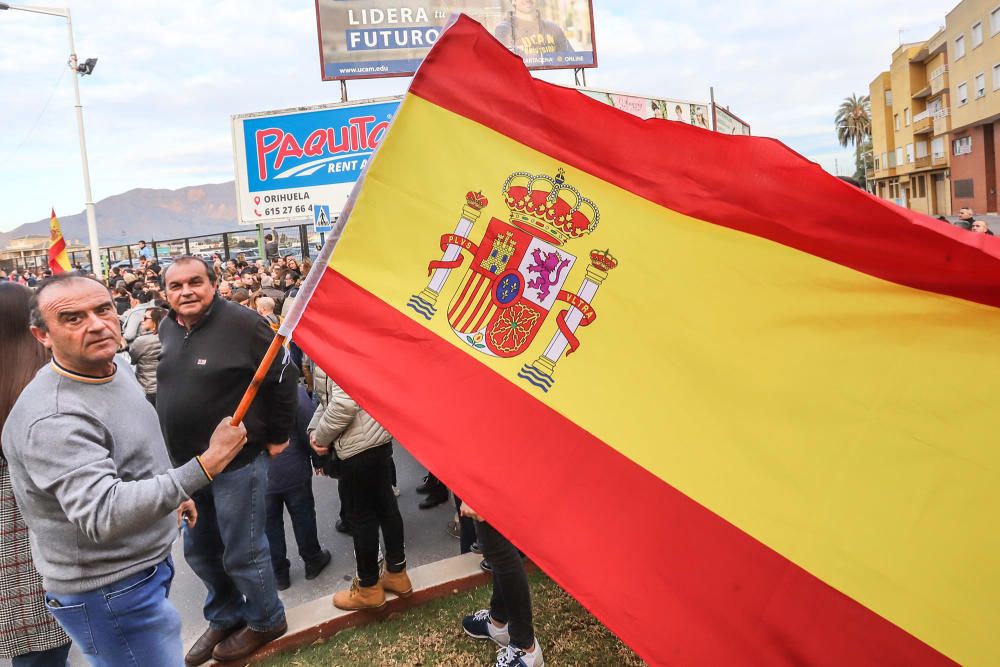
148 214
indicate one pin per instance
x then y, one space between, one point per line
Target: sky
170 74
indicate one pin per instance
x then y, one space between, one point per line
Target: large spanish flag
58 259
740 409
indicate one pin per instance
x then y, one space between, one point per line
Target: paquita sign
286 161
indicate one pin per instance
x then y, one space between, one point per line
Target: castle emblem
518 271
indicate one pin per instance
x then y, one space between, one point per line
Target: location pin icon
256 200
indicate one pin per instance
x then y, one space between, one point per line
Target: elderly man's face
225 290
979 227
82 328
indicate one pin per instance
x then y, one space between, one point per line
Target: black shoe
342 527
283 580
433 500
315 566
430 483
485 566
475 548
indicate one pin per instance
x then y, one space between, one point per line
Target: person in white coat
341 428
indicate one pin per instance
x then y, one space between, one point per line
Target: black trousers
511 600
466 529
370 505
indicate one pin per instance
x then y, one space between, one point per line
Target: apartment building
936 116
909 128
973 32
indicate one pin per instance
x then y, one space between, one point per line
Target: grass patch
432 635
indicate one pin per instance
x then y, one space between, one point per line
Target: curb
318 620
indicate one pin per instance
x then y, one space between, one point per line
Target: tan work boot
397 582
360 597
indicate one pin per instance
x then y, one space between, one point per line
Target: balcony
922 93
923 123
939 80
922 162
942 121
939 160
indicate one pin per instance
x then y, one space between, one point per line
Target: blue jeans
129 622
302 509
228 550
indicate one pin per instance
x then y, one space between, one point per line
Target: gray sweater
91 475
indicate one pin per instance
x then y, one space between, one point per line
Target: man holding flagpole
211 348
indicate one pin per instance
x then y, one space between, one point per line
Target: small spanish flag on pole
58 259
737 436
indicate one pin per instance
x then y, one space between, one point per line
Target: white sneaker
510 656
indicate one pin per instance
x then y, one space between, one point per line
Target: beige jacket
341 421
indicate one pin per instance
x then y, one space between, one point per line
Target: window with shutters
937 148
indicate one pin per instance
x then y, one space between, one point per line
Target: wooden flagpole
258 379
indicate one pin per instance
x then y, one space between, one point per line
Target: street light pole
95 246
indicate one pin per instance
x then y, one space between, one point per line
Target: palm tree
854 127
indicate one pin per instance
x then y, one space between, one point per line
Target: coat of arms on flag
518 271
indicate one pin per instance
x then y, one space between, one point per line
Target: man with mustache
211 350
91 475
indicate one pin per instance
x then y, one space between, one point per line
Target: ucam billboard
361 39
287 161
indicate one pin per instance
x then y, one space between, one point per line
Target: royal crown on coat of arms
518 271
545 206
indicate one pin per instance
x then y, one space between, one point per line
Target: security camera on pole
87 67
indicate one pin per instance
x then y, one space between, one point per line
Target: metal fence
299 241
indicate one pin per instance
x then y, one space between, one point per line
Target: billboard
727 122
287 161
692 113
363 39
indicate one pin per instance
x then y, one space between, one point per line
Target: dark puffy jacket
294 466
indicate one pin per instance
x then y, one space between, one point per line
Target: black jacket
203 374
294 466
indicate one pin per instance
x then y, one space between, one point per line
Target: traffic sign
321 219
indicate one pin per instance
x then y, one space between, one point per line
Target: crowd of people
116 408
